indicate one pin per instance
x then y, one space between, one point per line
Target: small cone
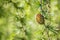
40 19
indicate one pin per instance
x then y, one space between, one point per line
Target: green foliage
18 20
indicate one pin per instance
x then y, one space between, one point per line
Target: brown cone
40 19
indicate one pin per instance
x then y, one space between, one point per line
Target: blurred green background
18 20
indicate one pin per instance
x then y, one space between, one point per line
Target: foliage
18 20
